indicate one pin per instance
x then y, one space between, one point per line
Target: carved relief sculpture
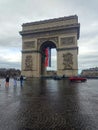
67 41
28 62
29 45
68 61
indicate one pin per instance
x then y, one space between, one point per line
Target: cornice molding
30 51
70 48
51 20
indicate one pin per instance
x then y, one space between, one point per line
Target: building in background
91 72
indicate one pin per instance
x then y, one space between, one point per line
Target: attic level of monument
51 20
60 33
63 24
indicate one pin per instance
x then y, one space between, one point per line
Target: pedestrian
15 80
7 81
21 80
0 82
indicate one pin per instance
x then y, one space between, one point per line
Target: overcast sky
13 13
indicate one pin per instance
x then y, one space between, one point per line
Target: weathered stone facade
60 33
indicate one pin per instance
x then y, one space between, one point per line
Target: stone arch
43 46
46 44
60 33
54 40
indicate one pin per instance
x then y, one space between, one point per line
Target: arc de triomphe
60 33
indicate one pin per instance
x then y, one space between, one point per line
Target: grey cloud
5 64
88 61
15 13
10 42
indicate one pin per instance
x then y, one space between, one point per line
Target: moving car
77 78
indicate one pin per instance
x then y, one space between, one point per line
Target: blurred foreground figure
21 80
7 81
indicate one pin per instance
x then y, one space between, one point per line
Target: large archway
60 33
46 45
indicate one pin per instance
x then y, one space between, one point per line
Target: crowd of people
14 80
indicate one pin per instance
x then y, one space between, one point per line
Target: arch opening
48 58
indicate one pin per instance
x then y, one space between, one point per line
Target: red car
75 78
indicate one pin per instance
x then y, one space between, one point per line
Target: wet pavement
49 105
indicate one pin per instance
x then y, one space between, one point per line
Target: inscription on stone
68 61
67 41
28 62
29 45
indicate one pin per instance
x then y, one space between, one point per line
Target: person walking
7 81
21 80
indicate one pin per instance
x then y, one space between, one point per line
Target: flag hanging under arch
48 57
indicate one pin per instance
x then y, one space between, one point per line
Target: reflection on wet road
44 104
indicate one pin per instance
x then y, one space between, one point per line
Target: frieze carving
68 61
42 40
47 34
29 44
28 62
67 41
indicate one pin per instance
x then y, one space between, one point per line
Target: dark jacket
21 78
7 79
